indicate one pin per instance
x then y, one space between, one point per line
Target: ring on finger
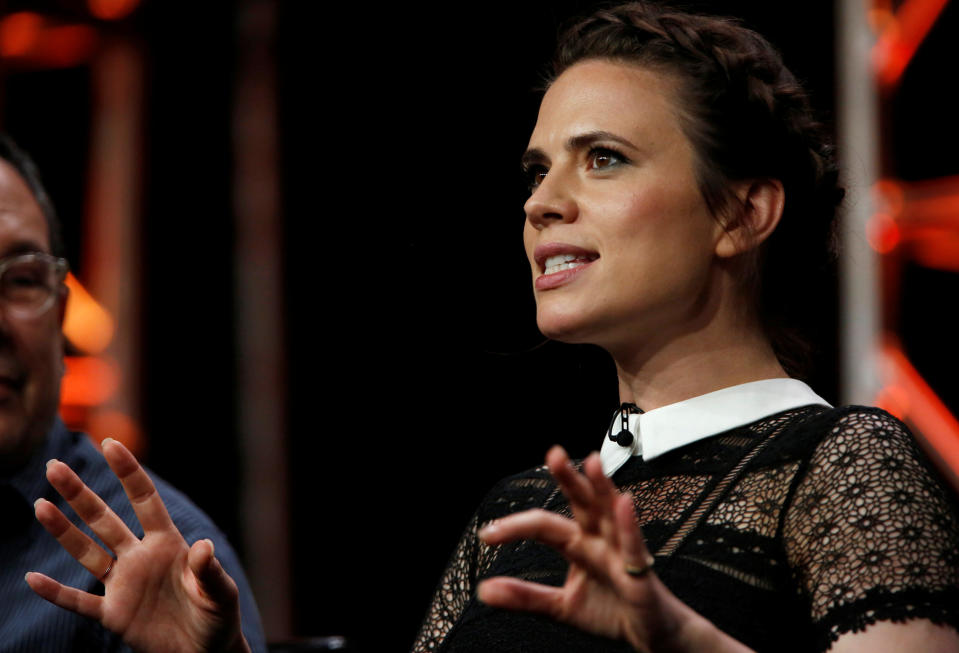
103 576
640 571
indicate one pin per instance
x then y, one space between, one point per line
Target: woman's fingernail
51 461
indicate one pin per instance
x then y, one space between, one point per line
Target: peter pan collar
670 427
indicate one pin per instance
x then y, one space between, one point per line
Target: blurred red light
19 33
883 233
112 9
902 36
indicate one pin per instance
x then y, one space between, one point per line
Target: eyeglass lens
28 283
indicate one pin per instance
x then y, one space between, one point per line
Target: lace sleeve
871 533
454 590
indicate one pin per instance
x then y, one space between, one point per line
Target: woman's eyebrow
582 141
534 155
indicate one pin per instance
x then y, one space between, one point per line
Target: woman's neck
695 364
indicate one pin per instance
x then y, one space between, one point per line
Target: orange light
112 9
880 19
87 325
114 424
893 399
32 40
889 196
935 425
901 38
933 248
89 381
19 33
883 233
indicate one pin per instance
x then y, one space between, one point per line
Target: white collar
670 427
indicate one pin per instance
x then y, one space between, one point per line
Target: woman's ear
753 217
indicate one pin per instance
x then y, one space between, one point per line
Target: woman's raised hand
160 594
610 589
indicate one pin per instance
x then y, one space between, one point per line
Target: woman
675 175
679 190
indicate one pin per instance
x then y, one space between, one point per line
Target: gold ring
103 577
639 572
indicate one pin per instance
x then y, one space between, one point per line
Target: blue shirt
28 623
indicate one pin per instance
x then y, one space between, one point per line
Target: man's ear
752 218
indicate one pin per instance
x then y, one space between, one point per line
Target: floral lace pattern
835 523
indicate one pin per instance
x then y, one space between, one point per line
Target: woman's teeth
564 262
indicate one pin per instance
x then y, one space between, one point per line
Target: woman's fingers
88 605
143 495
89 507
590 494
212 578
575 486
603 489
636 557
555 531
515 594
541 525
74 541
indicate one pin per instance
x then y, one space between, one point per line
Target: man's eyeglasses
29 283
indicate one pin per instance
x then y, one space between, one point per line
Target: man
32 303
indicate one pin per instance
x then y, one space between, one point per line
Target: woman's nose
551 201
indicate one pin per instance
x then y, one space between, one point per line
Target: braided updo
747 117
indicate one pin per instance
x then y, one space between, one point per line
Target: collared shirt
28 622
684 422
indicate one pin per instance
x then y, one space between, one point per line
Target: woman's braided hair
747 117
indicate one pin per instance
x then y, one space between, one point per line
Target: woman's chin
568 328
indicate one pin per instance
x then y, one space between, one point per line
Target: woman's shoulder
843 428
531 488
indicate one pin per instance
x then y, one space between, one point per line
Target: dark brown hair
747 117
23 164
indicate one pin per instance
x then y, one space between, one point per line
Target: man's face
31 349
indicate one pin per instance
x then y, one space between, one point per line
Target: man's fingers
68 598
89 507
211 577
139 488
515 594
74 541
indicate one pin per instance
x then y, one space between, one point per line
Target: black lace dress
785 533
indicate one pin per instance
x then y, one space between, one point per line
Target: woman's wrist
699 634
683 630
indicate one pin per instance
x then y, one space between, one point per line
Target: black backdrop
421 380
416 374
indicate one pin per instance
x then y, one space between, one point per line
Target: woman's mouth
560 269
562 262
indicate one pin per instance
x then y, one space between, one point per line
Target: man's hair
747 117
21 161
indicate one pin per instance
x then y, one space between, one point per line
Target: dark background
404 169
416 375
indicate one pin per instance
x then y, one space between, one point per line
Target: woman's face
619 238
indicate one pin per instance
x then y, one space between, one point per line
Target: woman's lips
565 271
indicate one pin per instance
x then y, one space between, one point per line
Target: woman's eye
601 158
535 176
